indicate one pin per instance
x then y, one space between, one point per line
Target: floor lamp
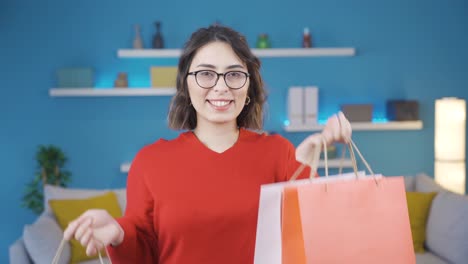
449 142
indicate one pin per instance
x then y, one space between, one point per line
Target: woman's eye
235 74
206 74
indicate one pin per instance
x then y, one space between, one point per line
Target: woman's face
219 104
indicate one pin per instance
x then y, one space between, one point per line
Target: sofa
447 223
446 229
40 240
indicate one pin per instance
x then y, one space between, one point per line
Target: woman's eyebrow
206 66
234 66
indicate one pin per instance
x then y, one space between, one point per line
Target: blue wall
406 49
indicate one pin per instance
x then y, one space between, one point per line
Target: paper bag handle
56 258
314 164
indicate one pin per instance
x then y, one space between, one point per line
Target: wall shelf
89 92
363 126
332 164
262 53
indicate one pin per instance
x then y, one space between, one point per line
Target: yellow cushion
68 210
419 204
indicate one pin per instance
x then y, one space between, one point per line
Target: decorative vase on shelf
137 41
306 39
263 42
158 41
121 81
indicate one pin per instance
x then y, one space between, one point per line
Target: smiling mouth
220 103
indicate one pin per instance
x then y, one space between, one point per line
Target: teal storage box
75 78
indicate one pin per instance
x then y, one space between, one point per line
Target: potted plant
51 161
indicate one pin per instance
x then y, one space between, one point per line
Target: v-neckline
203 146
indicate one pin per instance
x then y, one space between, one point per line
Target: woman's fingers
331 131
337 129
305 150
69 232
86 237
91 248
346 130
82 228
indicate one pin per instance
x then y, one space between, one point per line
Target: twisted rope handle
59 251
316 154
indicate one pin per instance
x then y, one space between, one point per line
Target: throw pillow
52 192
42 240
424 183
447 227
68 210
419 205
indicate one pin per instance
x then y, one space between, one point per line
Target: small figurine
158 41
137 41
121 81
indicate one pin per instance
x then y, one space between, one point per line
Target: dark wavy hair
182 115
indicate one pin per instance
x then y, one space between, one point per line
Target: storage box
163 77
311 105
402 110
75 78
358 112
296 113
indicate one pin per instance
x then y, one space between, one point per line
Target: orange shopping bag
364 220
292 235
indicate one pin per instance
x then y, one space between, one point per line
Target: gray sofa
447 223
446 232
40 240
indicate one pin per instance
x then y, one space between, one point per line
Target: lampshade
450 119
449 143
451 175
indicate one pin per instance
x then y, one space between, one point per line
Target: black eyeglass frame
194 73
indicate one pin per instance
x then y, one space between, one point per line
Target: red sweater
189 204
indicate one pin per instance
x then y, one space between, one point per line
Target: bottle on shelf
263 42
306 38
137 41
158 41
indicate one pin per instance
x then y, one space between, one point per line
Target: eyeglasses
208 79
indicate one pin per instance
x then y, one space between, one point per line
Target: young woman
194 199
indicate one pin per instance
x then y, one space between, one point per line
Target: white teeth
219 103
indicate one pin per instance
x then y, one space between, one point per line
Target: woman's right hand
95 229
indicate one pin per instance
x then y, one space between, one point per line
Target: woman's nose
221 85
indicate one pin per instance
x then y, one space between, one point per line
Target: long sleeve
140 243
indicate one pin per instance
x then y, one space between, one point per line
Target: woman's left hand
337 129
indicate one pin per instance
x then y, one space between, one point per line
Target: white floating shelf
335 163
304 52
363 126
149 53
332 164
263 53
72 92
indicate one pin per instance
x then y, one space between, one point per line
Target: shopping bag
268 245
357 221
292 235
361 221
